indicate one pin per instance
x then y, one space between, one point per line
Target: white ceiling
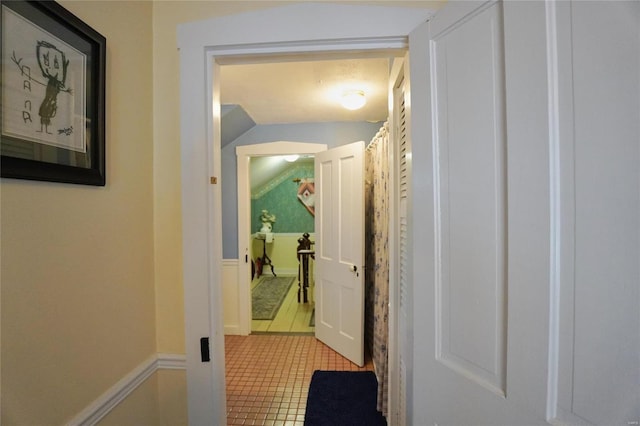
303 92
299 92
305 88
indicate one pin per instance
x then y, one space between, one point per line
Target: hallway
268 376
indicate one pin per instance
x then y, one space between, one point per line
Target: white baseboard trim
284 272
99 408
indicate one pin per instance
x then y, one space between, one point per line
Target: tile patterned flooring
268 376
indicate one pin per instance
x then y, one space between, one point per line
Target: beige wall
146 405
138 409
167 212
172 397
78 303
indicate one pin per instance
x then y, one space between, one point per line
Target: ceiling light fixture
291 158
353 99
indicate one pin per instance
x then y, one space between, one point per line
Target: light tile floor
268 376
291 317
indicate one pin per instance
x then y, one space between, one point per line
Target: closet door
399 241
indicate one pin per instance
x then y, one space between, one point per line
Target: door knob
354 269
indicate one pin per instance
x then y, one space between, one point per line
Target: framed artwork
53 95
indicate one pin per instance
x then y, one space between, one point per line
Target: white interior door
339 274
525 218
399 348
464 325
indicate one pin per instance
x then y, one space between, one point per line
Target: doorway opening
370 30
248 156
323 76
281 281
249 246
304 353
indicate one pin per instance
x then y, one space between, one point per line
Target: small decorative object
306 194
53 95
267 220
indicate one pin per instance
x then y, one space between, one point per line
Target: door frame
243 155
297 29
394 415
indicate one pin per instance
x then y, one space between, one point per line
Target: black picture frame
52 128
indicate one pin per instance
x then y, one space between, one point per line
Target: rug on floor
343 398
268 295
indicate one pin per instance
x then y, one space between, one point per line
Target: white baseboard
281 272
99 408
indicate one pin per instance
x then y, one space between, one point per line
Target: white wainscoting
230 296
282 252
109 400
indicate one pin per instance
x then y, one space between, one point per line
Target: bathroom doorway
284 265
281 214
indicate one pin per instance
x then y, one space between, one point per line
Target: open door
524 256
339 274
459 241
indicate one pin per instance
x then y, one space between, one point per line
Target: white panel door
471 195
526 214
464 320
339 226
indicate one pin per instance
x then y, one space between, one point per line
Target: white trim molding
171 362
109 400
296 29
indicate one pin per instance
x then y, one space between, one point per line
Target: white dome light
353 99
291 158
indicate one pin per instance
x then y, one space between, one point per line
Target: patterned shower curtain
377 257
